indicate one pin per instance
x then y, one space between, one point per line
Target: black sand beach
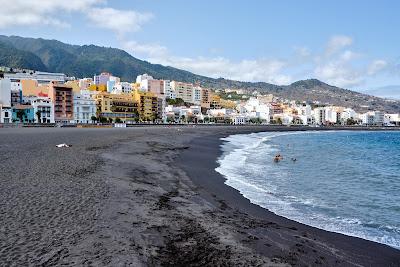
147 196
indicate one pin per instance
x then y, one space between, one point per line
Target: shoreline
208 150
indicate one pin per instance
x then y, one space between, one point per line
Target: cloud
337 43
336 63
341 66
244 70
32 13
377 66
338 74
119 21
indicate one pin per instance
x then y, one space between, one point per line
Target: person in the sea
278 158
294 159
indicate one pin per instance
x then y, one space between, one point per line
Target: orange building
62 97
32 88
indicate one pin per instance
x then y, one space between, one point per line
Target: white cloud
338 74
244 70
377 66
43 12
337 64
119 21
151 50
337 43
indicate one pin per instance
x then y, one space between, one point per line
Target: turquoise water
346 182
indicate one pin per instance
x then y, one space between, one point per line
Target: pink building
156 87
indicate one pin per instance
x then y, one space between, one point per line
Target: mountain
87 60
14 58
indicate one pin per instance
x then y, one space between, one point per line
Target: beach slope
147 196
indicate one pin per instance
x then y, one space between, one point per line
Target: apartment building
196 95
101 79
84 107
148 105
205 98
62 97
112 106
183 91
43 110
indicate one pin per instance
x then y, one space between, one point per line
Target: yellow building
147 103
215 102
229 104
112 106
135 86
100 88
75 86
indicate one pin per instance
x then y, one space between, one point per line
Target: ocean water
346 182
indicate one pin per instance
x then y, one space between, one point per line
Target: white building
392 119
348 113
85 83
331 116
368 118
40 77
5 92
45 107
112 81
122 88
239 119
379 118
84 107
304 110
168 91
143 77
216 112
5 114
319 116
254 109
196 95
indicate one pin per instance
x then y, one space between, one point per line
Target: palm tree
39 116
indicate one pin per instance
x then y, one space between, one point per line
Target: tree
21 115
255 120
351 121
118 120
279 121
175 102
103 119
93 118
206 119
183 118
110 120
39 116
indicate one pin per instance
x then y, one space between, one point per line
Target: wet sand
147 196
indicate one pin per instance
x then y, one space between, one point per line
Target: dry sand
147 197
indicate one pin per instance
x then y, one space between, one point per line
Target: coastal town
29 97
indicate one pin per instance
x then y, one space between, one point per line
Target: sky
352 44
